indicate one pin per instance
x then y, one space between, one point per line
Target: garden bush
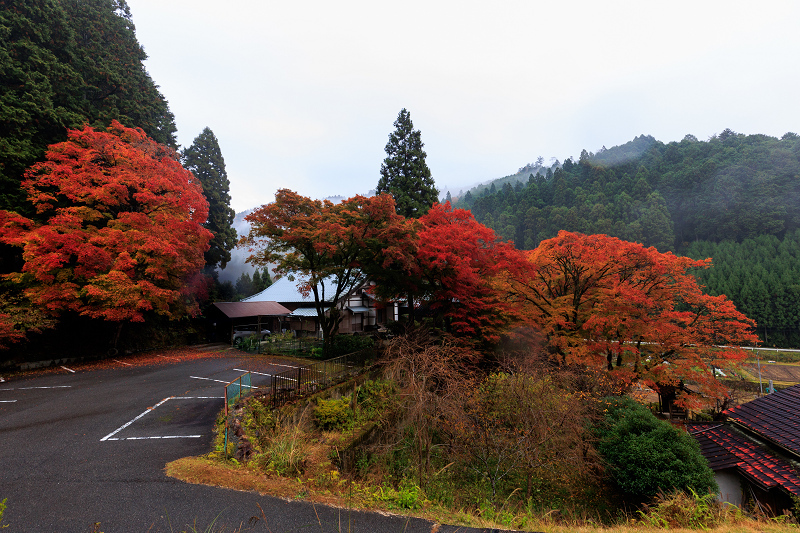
647 456
333 415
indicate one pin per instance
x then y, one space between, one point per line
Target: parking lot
80 446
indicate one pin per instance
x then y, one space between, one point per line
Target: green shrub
409 495
333 415
374 396
345 344
646 455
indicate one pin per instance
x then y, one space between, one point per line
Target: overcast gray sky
302 95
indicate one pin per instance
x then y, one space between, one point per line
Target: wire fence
300 346
294 383
236 389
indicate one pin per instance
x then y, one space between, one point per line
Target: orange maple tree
327 246
604 302
118 232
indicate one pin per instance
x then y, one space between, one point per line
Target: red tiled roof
725 449
775 417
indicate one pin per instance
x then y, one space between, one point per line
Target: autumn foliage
118 231
328 246
604 302
599 302
451 268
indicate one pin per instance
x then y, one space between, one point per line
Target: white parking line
30 388
132 421
268 375
111 436
166 437
254 372
209 379
220 381
65 368
7 401
287 366
198 397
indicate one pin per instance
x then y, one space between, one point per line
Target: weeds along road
89 446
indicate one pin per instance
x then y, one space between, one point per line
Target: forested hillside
762 276
66 64
735 198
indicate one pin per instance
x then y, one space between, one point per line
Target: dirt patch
203 471
775 371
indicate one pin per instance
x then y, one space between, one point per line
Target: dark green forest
66 64
734 198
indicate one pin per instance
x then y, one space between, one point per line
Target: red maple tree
118 232
447 264
604 302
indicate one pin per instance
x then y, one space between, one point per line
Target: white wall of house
730 487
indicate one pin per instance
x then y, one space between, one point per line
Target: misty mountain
735 197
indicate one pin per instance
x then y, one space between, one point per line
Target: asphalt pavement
89 447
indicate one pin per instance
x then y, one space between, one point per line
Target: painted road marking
220 381
122 363
132 421
268 375
111 436
287 366
166 437
65 368
7 401
198 398
30 388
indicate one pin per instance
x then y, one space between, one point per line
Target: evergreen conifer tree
404 173
204 159
244 286
66 64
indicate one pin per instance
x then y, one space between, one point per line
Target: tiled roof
775 417
724 448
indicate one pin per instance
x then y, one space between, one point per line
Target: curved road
90 447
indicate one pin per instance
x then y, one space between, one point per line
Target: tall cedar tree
327 245
123 232
607 303
204 159
404 173
66 64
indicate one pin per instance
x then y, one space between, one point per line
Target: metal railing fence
294 383
236 389
302 346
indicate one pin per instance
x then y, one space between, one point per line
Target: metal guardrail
294 383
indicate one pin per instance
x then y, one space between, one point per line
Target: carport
224 316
